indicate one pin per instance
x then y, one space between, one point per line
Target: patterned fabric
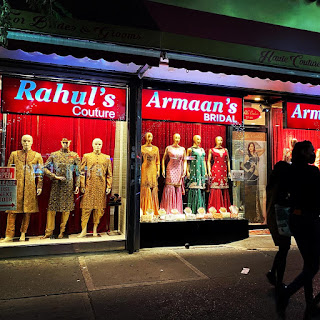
196 198
149 182
219 171
63 164
173 190
96 177
28 166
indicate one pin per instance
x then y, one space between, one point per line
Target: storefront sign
189 107
8 189
62 99
251 114
303 115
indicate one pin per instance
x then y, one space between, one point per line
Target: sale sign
190 107
8 189
303 115
39 97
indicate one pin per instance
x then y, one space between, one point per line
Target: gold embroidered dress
28 166
63 164
149 182
96 177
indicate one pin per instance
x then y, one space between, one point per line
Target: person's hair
301 152
254 147
279 174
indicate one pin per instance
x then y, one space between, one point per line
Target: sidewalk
168 283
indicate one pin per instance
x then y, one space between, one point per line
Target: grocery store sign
303 115
190 107
62 99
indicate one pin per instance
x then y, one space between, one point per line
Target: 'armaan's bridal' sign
190 107
62 99
303 115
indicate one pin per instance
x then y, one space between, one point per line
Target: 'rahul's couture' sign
303 115
62 99
190 107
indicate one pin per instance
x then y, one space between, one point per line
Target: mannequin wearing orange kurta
150 171
96 182
28 164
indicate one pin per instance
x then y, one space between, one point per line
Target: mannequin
96 182
317 161
28 165
150 172
174 174
62 164
197 172
287 152
219 173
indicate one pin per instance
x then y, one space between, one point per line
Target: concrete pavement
161 283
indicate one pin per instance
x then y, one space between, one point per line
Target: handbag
282 218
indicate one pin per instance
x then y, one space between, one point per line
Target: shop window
79 159
192 167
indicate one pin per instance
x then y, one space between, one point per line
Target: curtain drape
47 132
282 137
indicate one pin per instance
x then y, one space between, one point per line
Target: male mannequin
96 181
28 165
197 172
60 167
219 172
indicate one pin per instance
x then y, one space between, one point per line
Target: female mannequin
253 211
150 172
174 174
219 172
287 152
197 172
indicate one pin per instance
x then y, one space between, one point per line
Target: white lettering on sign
305 113
192 105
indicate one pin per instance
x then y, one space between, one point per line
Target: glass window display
73 173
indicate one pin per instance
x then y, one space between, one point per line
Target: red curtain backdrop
47 132
163 136
282 137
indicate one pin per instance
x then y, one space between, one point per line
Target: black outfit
278 193
304 194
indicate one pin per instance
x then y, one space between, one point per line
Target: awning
31 42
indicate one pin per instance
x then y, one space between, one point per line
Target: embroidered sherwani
96 177
28 166
64 164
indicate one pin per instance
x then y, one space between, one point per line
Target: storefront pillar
134 159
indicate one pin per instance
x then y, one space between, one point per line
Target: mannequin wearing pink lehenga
174 174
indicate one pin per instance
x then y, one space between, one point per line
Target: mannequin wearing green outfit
196 172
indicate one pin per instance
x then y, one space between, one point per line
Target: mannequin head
293 142
97 145
176 138
196 140
26 142
149 137
65 143
251 148
218 140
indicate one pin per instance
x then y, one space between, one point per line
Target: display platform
200 232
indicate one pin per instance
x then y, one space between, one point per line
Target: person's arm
164 162
109 175
188 163
83 173
40 174
77 172
228 164
205 164
260 152
158 163
209 162
184 164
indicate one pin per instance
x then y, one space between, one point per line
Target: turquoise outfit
197 183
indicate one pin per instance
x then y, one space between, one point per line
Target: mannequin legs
51 217
11 222
97 214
